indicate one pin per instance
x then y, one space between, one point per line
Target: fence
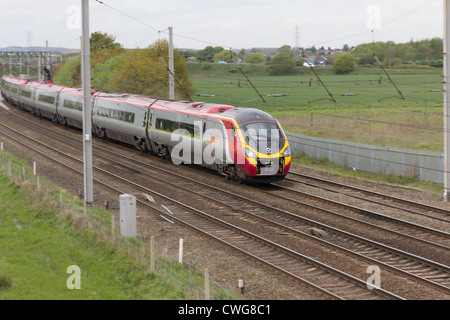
426 166
194 283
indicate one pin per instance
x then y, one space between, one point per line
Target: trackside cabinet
128 215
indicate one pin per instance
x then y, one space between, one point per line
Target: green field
299 95
369 109
363 106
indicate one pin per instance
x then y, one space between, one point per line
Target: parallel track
414 207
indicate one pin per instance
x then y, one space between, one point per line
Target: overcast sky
228 23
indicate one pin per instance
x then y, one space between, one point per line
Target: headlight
249 153
287 152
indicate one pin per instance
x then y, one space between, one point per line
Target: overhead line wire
155 29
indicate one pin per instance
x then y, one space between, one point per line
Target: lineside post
171 66
87 114
446 99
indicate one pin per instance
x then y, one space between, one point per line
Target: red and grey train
239 143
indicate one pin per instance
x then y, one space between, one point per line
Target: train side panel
70 108
26 97
45 103
120 121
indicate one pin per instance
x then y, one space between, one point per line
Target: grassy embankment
41 236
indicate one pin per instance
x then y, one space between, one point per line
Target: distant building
315 61
327 52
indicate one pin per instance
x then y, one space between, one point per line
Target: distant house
271 55
323 52
315 61
327 52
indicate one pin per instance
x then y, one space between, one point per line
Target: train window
104 112
25 93
130 117
150 121
263 134
15 90
189 127
197 129
116 114
73 105
46 99
166 125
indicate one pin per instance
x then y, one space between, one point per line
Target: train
245 144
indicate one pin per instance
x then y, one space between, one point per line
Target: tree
285 49
207 54
344 63
103 48
311 50
142 72
254 58
426 51
101 74
100 40
282 64
225 55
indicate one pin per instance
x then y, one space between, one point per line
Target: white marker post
180 252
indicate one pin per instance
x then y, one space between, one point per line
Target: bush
344 63
437 63
282 64
5 281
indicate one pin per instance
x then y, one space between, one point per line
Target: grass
39 241
37 247
304 162
374 113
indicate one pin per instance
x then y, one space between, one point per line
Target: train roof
42 85
201 109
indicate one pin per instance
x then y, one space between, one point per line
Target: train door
232 142
149 124
215 143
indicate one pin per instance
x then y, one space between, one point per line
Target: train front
265 148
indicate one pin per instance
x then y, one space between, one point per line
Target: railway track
287 260
414 207
400 228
